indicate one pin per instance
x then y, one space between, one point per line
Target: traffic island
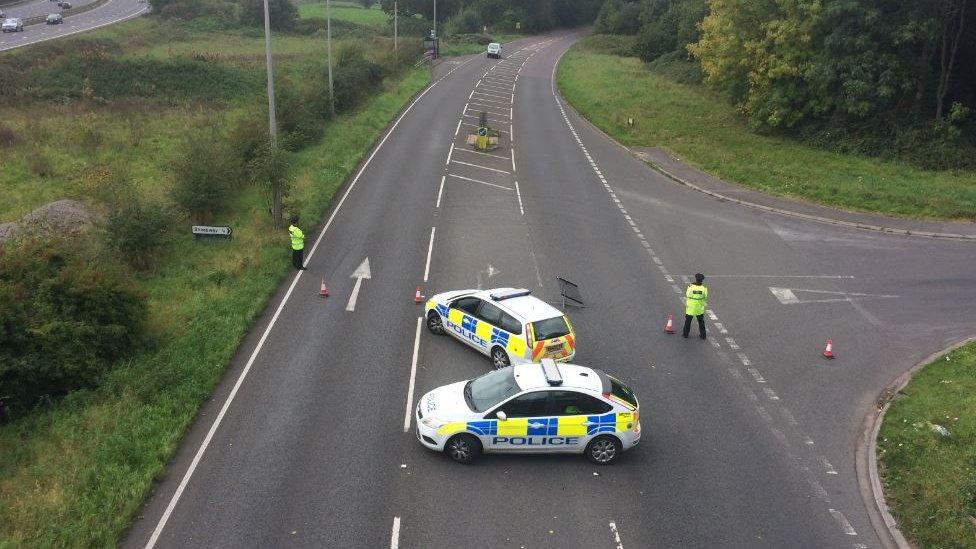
923 470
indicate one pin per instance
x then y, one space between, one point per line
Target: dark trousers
701 325
298 258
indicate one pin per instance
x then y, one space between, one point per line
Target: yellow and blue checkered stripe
486 332
544 426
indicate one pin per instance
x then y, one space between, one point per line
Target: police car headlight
433 422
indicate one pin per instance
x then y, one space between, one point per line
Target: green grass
930 479
75 472
705 131
373 17
453 47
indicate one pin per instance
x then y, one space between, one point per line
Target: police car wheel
499 358
434 323
603 450
463 448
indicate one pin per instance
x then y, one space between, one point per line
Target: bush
677 66
8 137
354 79
66 313
136 228
301 117
282 14
610 44
225 12
205 173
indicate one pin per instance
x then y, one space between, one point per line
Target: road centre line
472 151
413 377
157 532
479 166
430 250
395 534
440 191
479 181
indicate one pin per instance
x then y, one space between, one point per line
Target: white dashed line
413 380
395 534
616 536
845 525
430 250
519 195
440 192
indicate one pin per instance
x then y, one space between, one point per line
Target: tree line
871 74
470 16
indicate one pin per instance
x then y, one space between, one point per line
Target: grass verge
929 478
75 472
705 131
464 45
367 17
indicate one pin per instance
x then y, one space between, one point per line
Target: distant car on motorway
509 325
64 4
531 408
12 24
54 19
495 50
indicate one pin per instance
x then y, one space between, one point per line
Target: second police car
509 325
531 408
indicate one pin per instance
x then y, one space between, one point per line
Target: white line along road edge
413 376
250 361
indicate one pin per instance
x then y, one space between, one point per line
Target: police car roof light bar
551 372
509 293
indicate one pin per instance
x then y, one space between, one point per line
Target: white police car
509 325
531 408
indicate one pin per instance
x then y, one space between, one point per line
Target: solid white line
440 192
351 304
413 377
519 195
478 181
456 130
616 536
247 367
470 94
430 250
479 166
479 152
395 534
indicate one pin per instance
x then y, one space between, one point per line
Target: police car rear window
550 328
621 391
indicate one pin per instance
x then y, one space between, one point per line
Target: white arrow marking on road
787 296
359 274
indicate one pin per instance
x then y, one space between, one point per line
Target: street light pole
272 122
396 51
328 38
435 19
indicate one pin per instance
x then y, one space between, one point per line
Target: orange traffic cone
323 291
417 298
669 327
829 350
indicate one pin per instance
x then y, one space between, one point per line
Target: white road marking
519 195
787 296
359 274
732 344
475 126
489 119
274 318
721 328
784 295
449 152
845 525
413 377
479 181
780 276
481 167
770 394
616 536
489 100
430 250
744 359
756 375
472 151
440 191
395 534
478 107
458 128
711 314
513 159
828 468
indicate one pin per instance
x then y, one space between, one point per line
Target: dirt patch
63 217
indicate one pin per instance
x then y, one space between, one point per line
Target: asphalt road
39 7
113 11
748 438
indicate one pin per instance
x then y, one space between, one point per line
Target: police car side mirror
501 415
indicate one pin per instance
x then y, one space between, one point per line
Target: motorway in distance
113 11
748 438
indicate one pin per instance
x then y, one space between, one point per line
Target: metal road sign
205 230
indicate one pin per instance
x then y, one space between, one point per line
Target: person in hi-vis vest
696 299
297 244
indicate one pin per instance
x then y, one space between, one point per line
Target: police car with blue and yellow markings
509 325
531 408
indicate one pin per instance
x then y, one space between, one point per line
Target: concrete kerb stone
866 455
771 209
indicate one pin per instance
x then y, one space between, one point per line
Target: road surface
113 11
748 437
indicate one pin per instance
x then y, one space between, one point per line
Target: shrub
282 14
66 313
355 78
301 117
219 10
269 169
205 172
136 229
8 137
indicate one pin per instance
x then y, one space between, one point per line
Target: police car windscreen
488 390
550 328
621 391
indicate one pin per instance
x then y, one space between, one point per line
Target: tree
952 22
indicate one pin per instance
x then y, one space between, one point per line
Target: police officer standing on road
297 244
696 299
